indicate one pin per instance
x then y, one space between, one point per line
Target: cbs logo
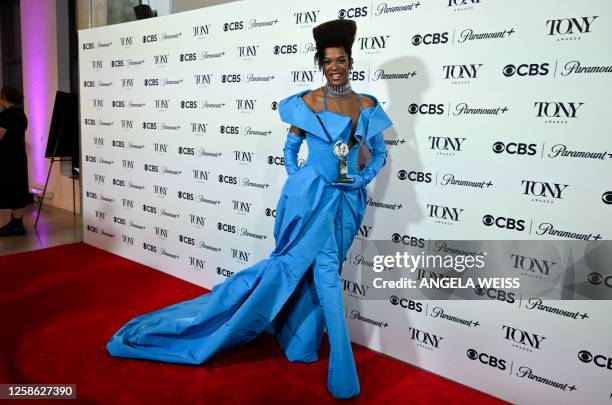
185 196
514 148
230 78
504 223
426 108
227 129
187 240
224 272
419 177
599 360
187 57
276 160
494 293
596 278
149 247
486 359
353 12
357 75
233 26
408 240
531 69
228 179
285 49
406 303
226 227
430 39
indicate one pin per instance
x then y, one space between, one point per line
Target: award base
343 179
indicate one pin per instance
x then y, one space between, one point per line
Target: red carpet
59 306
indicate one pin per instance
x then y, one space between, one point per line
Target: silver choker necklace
340 91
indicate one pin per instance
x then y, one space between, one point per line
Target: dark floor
55 227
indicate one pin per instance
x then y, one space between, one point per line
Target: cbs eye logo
596 278
509 70
353 12
607 197
430 39
274 105
585 356
514 148
599 360
526 69
233 26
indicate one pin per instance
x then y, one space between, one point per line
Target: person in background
14 190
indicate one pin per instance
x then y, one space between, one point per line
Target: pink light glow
39 58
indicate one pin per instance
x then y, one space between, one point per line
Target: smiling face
336 65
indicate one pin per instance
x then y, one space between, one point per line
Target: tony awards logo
341 150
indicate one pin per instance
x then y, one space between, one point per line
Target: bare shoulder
314 99
367 102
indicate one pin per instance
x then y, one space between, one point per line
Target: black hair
331 34
11 95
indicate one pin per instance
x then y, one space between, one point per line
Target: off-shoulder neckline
333 112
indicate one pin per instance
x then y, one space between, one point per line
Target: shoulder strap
358 101
324 100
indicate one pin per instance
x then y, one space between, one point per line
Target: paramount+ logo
527 69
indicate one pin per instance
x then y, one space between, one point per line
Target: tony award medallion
341 150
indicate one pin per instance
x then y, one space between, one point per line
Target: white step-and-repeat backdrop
501 113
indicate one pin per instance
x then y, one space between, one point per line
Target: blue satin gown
315 226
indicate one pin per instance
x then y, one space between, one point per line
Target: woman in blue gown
296 291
